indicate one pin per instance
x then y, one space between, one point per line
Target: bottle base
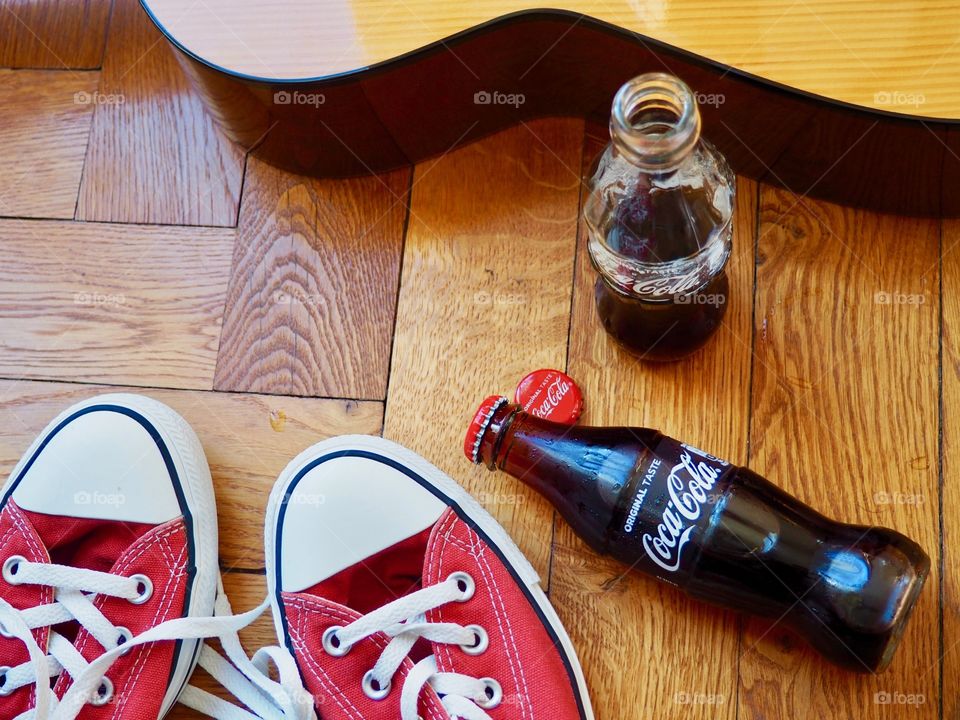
866 619
909 604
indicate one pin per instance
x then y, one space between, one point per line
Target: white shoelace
74 590
404 620
249 680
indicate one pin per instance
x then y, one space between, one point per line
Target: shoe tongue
379 579
91 544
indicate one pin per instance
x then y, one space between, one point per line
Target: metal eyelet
11 567
374 692
4 690
465 584
481 641
125 637
144 589
494 694
103 694
331 642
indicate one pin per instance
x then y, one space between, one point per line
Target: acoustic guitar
849 102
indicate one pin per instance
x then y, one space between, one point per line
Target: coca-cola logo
551 395
667 286
556 391
688 487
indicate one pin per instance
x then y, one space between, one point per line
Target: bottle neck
582 471
493 450
655 121
659 212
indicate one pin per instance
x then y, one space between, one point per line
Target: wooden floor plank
248 440
45 120
950 501
55 35
845 418
313 290
672 657
155 155
485 299
119 304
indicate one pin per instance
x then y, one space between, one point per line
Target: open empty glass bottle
659 218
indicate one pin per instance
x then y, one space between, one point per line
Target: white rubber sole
455 495
197 485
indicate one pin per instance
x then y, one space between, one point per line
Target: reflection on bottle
846 570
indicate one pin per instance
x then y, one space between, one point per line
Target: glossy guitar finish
348 104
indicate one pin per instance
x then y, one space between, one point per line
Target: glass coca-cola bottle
659 219
720 532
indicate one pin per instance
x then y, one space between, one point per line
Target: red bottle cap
478 426
551 395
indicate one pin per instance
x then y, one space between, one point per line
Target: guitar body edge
548 63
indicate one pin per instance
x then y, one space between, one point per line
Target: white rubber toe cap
101 460
344 510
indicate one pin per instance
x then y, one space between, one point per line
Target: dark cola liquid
663 331
719 532
658 226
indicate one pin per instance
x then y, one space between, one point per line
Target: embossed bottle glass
659 217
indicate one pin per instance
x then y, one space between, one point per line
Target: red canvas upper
18 537
521 655
335 682
159 552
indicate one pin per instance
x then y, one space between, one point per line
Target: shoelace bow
404 621
74 590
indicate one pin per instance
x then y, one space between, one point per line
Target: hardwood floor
46 117
53 35
112 303
154 154
139 248
844 409
314 287
485 298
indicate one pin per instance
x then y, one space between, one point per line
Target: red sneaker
107 529
400 597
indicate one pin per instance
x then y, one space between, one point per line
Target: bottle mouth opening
655 120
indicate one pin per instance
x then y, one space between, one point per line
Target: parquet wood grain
154 155
314 285
45 120
119 304
845 418
485 299
950 470
54 35
248 440
672 657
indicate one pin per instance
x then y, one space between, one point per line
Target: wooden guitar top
893 56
